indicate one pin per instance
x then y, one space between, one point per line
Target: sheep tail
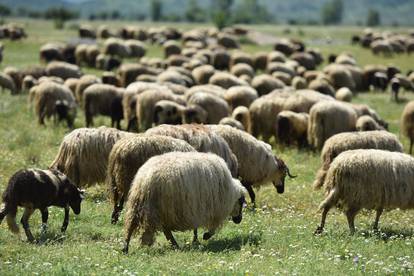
330 200
320 179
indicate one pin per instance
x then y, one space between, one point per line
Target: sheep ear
157 109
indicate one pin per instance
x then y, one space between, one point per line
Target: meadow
274 238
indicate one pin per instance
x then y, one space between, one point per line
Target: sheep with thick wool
260 167
242 114
367 123
407 123
200 138
63 70
240 96
52 99
128 155
292 127
83 154
103 99
216 107
327 119
181 191
6 82
341 142
368 179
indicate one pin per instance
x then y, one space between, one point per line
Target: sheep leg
117 208
411 145
377 217
45 216
3 212
170 237
350 216
25 222
249 189
195 236
65 220
319 229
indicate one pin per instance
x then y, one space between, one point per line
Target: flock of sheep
200 112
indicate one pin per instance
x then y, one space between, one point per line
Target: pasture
275 238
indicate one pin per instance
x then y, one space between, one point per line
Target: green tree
221 16
156 10
4 10
250 11
332 12
60 16
373 18
194 12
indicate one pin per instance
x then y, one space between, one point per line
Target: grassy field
275 238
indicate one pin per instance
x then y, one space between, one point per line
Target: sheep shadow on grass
50 237
385 234
234 243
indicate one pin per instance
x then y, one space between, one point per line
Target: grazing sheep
225 80
368 179
395 88
6 82
264 84
261 167
292 127
54 99
168 112
128 155
407 123
63 70
344 94
83 154
136 47
51 52
84 82
341 142
200 193
103 99
216 107
38 189
221 60
380 81
16 75
229 121
106 62
203 73
194 114
240 96
241 69
28 82
299 83
322 86
128 72
171 47
363 109
242 114
201 138
367 123
340 76
110 78
145 105
71 83
116 47
327 119
227 41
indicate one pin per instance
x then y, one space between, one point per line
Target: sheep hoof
43 229
318 230
125 249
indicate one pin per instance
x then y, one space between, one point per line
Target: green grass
274 238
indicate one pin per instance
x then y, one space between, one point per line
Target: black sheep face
65 112
167 115
75 197
237 213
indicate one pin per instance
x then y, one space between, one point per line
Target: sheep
145 105
380 81
264 84
240 96
28 82
227 41
109 77
225 80
202 74
16 75
362 109
367 123
292 127
128 155
368 179
328 118
129 99
341 142
201 138
103 99
63 70
239 57
136 47
83 154
340 76
261 167
128 72
299 83
229 121
221 59
322 86
407 123
194 114
395 88
199 182
38 189
54 99
242 114
171 47
6 82
84 82
116 47
51 52
168 112
216 107
106 62
240 69
344 94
